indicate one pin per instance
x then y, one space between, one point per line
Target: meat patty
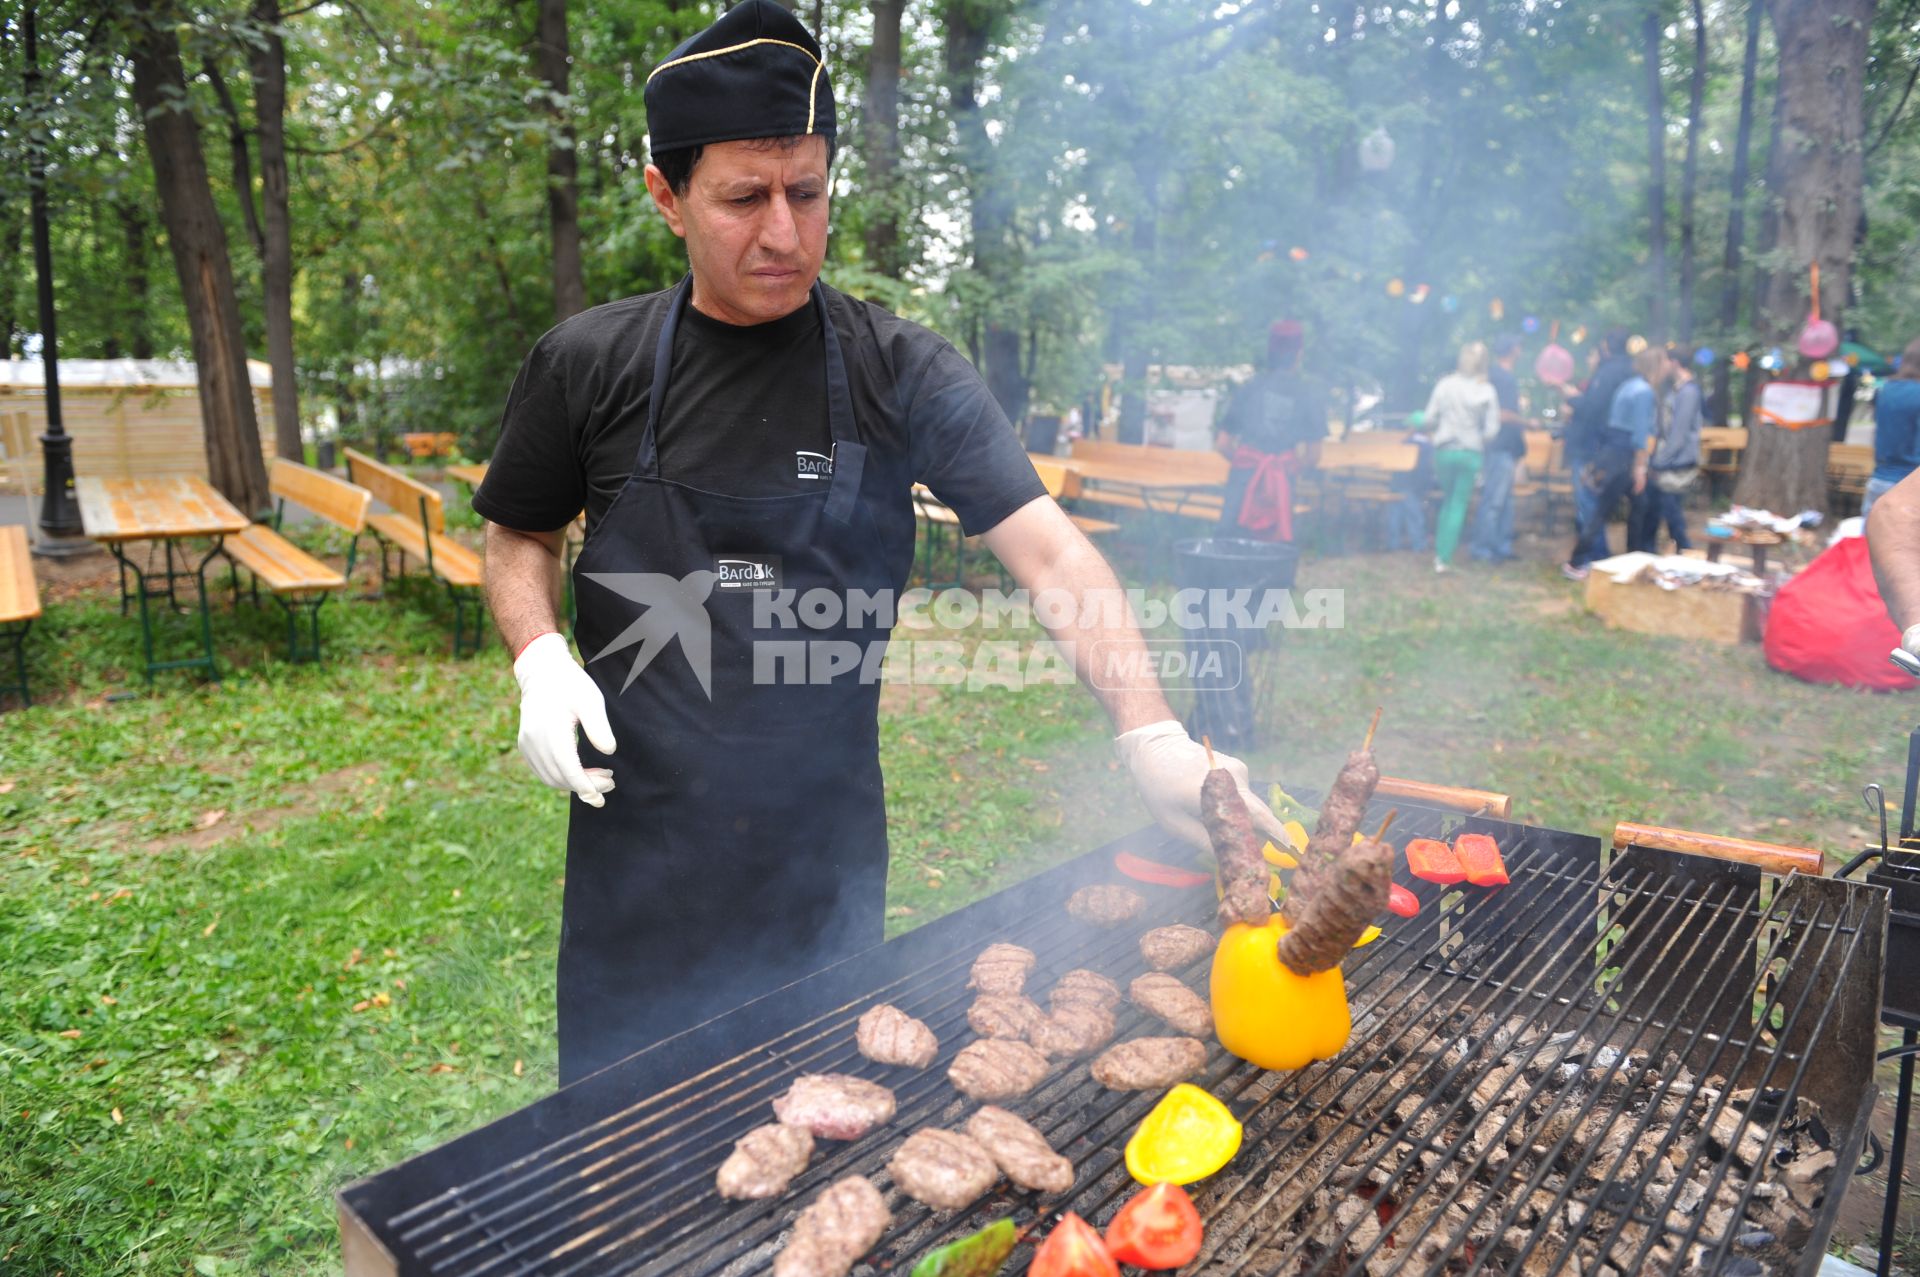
1082 987
764 1161
1004 1015
835 1106
1074 1028
1001 968
1147 1064
1165 996
1106 904
1174 947
994 1069
944 1169
842 1224
1021 1151
888 1035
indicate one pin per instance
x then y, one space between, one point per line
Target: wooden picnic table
162 509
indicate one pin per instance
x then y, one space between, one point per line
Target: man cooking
749 435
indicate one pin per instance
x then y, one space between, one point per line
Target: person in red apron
744 440
1271 431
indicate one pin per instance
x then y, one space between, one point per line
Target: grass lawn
265 936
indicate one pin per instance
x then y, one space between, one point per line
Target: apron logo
671 607
747 572
813 465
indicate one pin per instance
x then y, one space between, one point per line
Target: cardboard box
1691 612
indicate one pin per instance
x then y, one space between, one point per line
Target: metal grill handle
1773 858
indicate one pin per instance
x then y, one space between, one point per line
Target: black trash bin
1223 683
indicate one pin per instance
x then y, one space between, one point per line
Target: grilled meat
1106 904
1174 1002
1348 895
944 1169
835 1106
842 1224
1001 968
1004 1015
993 1069
1174 947
1085 988
764 1161
1243 872
888 1035
1148 1064
1339 820
1074 1028
1021 1151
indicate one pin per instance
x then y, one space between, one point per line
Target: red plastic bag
1828 625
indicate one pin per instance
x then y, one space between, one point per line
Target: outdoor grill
1627 1061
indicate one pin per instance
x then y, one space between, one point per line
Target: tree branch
242 157
1893 117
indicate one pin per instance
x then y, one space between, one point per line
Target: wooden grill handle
1475 801
1772 857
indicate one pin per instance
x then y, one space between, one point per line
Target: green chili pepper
977 1256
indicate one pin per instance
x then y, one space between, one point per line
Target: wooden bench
1849 466
416 527
1135 476
422 445
1721 448
1063 484
298 581
19 603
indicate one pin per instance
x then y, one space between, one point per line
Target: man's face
754 216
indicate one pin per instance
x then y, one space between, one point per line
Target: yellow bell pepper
1188 1136
1275 856
1296 834
1267 1015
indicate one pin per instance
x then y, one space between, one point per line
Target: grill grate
1637 964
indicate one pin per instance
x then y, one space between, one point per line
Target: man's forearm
1893 542
1050 558
523 583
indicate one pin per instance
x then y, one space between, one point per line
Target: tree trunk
563 163
199 244
269 58
10 328
1651 28
1737 217
1690 169
883 137
1136 325
133 230
1823 55
990 201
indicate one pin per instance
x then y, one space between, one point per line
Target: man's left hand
1169 767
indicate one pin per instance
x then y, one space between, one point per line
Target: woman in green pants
1465 414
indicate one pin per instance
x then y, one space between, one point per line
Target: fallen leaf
124 892
69 1033
363 1004
381 999
389 953
353 960
91 1065
110 1000
117 1119
441 1068
518 1068
6 787
210 818
208 929
349 1141
400 984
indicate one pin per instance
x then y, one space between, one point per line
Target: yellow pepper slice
1188 1136
1296 834
1275 856
1267 1015
1367 937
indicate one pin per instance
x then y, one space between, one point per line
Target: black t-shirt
1512 438
745 413
1276 410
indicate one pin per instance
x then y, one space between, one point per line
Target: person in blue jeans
1675 464
1619 464
1587 431
1493 521
1407 517
1896 427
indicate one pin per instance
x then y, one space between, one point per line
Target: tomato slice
1073 1249
1402 902
1158 1228
1141 869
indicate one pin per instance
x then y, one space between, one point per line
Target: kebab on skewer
1340 817
1236 849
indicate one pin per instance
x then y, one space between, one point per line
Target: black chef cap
756 72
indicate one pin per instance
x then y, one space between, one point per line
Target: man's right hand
555 696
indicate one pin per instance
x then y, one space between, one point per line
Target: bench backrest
1716 438
1360 453
400 492
1540 451
340 503
1849 459
1059 481
1188 463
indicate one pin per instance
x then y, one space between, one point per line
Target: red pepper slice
1480 857
1434 861
1402 902
1152 871
1158 1229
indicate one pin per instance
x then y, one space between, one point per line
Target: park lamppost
59 516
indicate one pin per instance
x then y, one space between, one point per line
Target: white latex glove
1911 640
1169 767
556 694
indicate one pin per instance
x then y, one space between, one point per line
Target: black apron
745 842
